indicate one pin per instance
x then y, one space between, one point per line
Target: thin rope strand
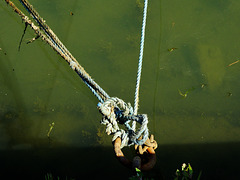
140 58
136 101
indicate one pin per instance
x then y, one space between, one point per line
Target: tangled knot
114 111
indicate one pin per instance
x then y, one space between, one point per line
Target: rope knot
114 111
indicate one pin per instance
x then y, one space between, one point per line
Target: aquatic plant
49 176
138 175
186 173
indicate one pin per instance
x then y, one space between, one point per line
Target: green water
37 87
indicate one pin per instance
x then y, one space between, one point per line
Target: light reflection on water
38 88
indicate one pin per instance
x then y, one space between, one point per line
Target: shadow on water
216 161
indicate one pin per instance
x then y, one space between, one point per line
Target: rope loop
114 111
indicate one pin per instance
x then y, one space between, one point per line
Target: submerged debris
184 95
203 85
50 129
172 49
233 63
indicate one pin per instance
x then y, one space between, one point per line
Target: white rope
136 101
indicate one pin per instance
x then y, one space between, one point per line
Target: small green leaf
190 170
137 170
178 173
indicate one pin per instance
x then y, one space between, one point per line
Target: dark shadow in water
76 163
216 161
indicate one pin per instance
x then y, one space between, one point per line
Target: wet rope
114 110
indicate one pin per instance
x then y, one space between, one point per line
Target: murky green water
37 87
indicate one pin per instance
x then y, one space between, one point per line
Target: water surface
188 48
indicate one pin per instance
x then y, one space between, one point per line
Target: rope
136 101
114 110
111 116
58 46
